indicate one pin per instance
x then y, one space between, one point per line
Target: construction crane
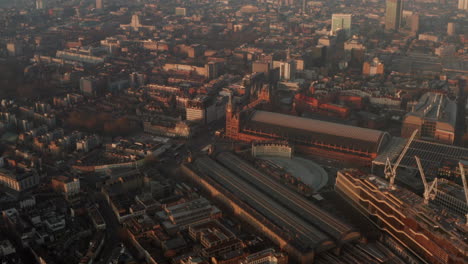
389 170
465 185
430 190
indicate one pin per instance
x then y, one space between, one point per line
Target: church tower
232 121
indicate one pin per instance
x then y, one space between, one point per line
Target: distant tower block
393 14
415 23
341 22
99 4
39 4
463 4
135 23
451 29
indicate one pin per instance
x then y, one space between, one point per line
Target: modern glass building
341 22
393 14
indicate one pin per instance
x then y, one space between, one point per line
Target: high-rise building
451 29
39 4
287 69
415 23
99 4
212 70
463 4
341 22
393 14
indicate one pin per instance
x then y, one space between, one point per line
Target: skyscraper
463 4
415 23
341 22
451 29
393 13
99 4
39 4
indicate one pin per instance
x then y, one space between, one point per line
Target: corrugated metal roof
318 126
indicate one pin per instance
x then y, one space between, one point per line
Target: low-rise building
214 238
181 216
19 179
68 186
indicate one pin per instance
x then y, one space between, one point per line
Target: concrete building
374 67
40 4
182 216
451 29
463 4
287 69
89 86
393 14
136 25
180 11
429 37
414 23
68 186
168 129
341 22
434 115
204 109
99 4
19 180
215 238
212 70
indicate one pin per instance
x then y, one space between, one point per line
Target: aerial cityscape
234 131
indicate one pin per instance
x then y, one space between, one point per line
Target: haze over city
233 131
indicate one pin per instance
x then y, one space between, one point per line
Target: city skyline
233 132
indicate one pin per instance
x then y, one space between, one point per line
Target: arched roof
327 132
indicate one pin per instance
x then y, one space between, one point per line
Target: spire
229 104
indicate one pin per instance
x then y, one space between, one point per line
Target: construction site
307 232
432 228
428 233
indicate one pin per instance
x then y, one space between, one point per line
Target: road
112 228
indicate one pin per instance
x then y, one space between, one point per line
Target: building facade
393 14
341 22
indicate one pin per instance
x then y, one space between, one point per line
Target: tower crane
389 170
465 185
430 190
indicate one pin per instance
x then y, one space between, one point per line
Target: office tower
415 23
39 4
451 29
463 4
99 4
341 22
135 23
393 13
287 69
212 70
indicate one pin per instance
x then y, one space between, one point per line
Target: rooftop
322 128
